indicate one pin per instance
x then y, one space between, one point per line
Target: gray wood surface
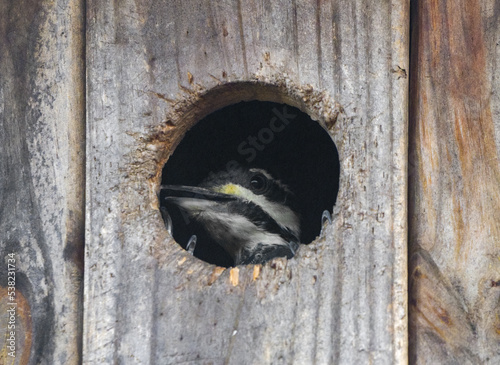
343 298
153 69
42 149
455 183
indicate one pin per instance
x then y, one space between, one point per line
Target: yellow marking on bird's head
230 189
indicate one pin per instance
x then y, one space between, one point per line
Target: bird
248 212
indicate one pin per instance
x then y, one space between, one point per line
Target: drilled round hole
273 157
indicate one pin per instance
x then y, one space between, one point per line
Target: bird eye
258 183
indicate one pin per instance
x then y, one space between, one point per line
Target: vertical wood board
455 182
156 67
42 169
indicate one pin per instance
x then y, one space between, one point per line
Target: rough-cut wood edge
42 118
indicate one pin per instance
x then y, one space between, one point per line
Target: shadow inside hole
278 138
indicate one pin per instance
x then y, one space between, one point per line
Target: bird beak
174 192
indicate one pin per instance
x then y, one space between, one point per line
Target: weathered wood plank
342 299
455 182
42 110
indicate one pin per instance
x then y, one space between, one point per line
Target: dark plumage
246 211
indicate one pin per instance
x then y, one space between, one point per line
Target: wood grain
455 182
156 67
42 175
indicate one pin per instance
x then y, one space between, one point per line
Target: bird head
246 211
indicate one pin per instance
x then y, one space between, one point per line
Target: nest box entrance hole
278 139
